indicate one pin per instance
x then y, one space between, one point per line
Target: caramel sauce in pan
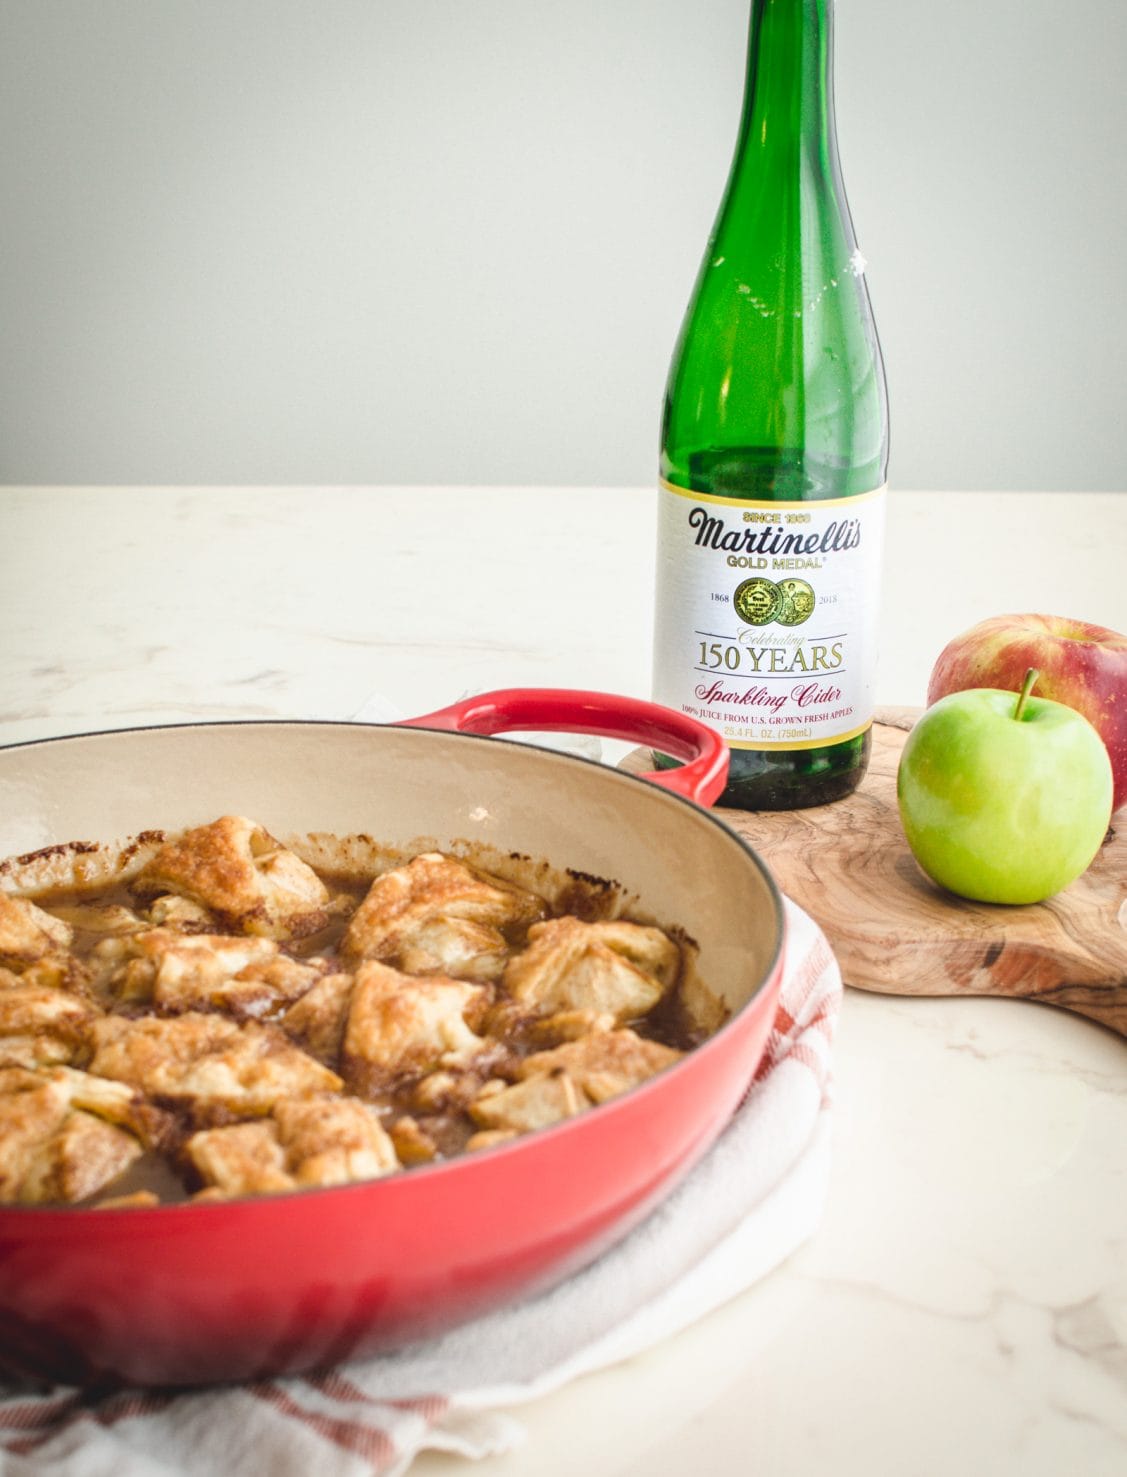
410 1109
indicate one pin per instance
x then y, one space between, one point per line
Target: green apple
1004 799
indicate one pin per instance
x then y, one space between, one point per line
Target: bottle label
766 623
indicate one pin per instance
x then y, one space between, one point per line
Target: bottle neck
776 386
788 96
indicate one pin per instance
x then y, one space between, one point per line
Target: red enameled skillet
191 1293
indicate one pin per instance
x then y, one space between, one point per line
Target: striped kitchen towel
753 1200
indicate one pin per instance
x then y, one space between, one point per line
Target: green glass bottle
774 449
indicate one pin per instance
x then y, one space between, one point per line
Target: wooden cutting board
894 931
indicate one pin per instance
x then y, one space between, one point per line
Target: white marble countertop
963 1308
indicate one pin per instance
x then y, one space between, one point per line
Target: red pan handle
560 710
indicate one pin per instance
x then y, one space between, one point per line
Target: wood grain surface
895 931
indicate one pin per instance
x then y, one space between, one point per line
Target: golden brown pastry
170 911
534 1103
320 1016
207 1063
36 945
605 1064
558 1084
175 971
318 1141
622 969
55 1142
444 1012
399 1023
40 1025
242 1159
238 871
437 916
29 933
413 1145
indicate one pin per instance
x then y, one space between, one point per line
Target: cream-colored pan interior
526 812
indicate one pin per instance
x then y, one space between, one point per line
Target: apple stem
1026 688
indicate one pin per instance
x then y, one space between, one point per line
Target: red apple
1081 665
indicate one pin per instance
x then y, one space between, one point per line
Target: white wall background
322 241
